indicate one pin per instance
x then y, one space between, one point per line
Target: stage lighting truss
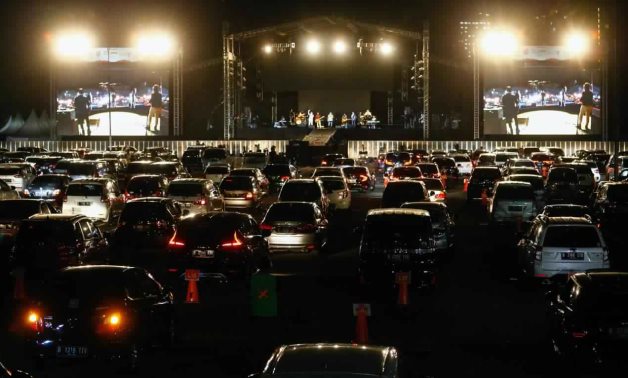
279 47
383 47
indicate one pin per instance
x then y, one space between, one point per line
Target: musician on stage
310 118
317 120
330 119
343 120
354 119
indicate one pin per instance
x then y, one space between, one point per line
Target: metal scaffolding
426 81
177 88
228 86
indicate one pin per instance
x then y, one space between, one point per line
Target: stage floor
124 124
553 122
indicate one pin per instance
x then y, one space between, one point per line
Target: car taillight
266 227
579 334
364 177
202 202
110 321
441 195
26 193
285 178
306 228
34 320
538 254
248 195
56 192
323 162
235 243
175 242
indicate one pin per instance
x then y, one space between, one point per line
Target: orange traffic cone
361 326
403 293
484 198
466 184
19 290
192 296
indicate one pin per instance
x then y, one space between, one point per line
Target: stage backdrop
337 101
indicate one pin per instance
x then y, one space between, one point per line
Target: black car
399 192
47 242
482 179
567 210
49 187
329 159
588 316
278 174
146 186
446 165
397 240
104 312
611 204
43 164
227 244
359 178
145 222
561 185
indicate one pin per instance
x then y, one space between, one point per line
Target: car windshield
87 190
571 237
6 171
277 170
404 172
618 193
142 211
300 191
290 212
18 209
216 170
81 169
333 184
485 174
396 227
236 183
512 192
215 153
143 184
185 189
562 175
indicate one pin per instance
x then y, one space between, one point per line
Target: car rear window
18 209
9 171
162 169
461 159
485 174
394 227
567 211
277 170
524 163
214 153
81 169
216 170
138 168
31 231
333 184
79 286
329 362
327 172
433 184
404 192
185 189
562 175
428 168
300 191
209 230
514 193
47 181
355 171
191 154
87 190
535 181
406 172
254 159
486 159
142 184
444 162
290 212
144 211
571 237
618 193
540 157
236 183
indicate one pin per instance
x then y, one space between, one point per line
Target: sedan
295 226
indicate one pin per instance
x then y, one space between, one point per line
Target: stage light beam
156 45
386 48
313 46
267 49
499 43
577 43
340 47
72 44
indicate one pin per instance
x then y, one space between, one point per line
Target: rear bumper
292 242
53 348
236 203
548 270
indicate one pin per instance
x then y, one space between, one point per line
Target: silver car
196 196
216 172
512 201
17 175
294 226
240 192
443 225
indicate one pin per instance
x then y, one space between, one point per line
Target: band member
511 108
292 118
330 119
156 105
586 107
81 110
310 118
317 120
354 119
344 119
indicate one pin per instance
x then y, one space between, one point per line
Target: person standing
586 107
317 120
272 155
344 120
330 119
510 106
354 119
156 104
81 111
310 118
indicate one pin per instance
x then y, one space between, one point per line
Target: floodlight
340 47
577 43
386 48
155 45
72 44
499 43
313 46
268 48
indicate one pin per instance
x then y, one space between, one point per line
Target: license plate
71 351
352 181
515 208
84 203
203 253
40 193
398 258
572 256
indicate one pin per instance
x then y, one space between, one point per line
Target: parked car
217 172
255 173
344 162
482 179
43 164
295 226
512 201
513 164
196 196
50 187
397 240
96 198
486 160
567 210
17 175
586 182
402 173
332 360
254 160
435 189
81 170
327 171
7 192
62 166
446 166
443 223
169 169
588 316
562 185
192 161
429 170
593 166
116 321
227 244
463 164
337 192
359 178
305 190
399 192
240 192
278 174
13 211
556 246
146 186
329 159
611 204
556 151
213 155
538 186
619 161
501 158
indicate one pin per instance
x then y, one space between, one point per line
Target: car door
149 303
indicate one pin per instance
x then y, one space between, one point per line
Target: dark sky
24 25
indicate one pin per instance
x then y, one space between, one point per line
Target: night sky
27 24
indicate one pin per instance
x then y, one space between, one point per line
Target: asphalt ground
480 320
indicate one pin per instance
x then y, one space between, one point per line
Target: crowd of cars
138 220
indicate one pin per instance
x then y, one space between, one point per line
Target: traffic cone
484 198
192 295
466 184
361 327
403 293
19 290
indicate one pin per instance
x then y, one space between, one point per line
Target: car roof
99 268
95 180
23 200
567 220
150 199
485 168
331 178
189 181
398 211
525 176
426 204
56 217
565 205
303 180
514 184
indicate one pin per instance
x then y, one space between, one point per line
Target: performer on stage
354 119
511 108
317 120
310 118
586 107
155 108
343 120
330 119
81 111
292 118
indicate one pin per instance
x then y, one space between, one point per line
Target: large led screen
541 92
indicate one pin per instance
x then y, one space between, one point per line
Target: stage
122 124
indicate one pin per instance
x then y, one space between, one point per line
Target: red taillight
202 202
579 334
364 177
235 243
176 243
323 162
266 227
110 321
441 195
248 195
33 320
285 178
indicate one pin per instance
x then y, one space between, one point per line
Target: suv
254 160
95 198
562 185
397 240
196 196
278 174
359 178
538 186
241 192
517 163
512 200
611 203
49 187
86 169
442 222
402 173
192 161
43 164
562 245
213 155
482 179
146 186
305 190
295 226
217 172
398 192
17 175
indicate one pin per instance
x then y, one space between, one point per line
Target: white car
98 198
594 168
337 191
464 164
17 175
512 200
435 189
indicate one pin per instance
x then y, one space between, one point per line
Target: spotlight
386 48
155 45
72 45
577 43
340 47
268 49
500 43
313 46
